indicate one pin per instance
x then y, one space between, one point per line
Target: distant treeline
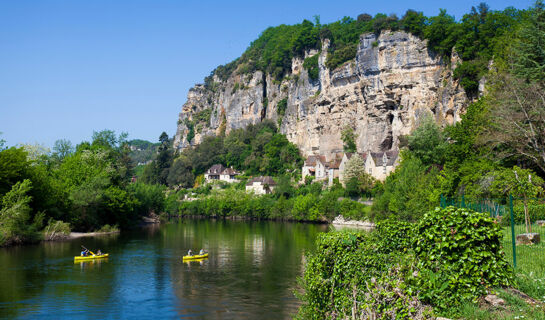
87 186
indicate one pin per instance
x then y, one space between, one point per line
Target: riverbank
341 221
76 235
320 206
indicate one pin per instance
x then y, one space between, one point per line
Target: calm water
251 273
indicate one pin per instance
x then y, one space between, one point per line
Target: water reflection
251 272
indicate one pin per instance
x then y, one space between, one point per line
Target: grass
515 308
530 258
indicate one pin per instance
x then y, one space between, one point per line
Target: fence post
442 201
513 231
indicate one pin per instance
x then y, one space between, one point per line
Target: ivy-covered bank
441 266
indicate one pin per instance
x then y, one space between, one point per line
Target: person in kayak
201 252
85 253
189 253
99 253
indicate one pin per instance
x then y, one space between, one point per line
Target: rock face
382 94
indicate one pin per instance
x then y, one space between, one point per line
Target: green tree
441 33
2 143
348 136
16 223
181 172
410 191
413 22
357 181
529 53
521 183
14 167
428 143
62 148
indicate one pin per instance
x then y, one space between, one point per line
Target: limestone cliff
393 81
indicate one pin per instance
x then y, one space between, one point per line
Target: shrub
311 65
395 235
281 107
341 55
468 73
459 256
108 228
56 230
535 211
348 277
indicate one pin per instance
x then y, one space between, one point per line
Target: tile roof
230 171
215 169
311 160
263 180
334 164
391 157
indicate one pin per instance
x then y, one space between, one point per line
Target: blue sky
68 68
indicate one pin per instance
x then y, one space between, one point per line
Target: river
251 273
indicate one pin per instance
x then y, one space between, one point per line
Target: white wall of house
259 188
332 173
210 178
342 166
306 172
320 170
227 178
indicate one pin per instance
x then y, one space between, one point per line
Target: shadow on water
251 272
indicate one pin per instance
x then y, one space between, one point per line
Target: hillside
380 75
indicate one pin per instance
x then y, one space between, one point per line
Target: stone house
381 164
377 164
333 171
261 185
229 175
315 166
218 172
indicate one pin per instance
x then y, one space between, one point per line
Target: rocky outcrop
391 84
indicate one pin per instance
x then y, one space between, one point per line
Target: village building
315 166
261 185
333 171
377 164
220 173
380 164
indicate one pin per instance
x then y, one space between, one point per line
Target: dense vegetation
87 186
307 202
401 271
257 149
477 38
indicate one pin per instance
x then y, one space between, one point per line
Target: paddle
89 251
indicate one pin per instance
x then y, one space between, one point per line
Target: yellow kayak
196 256
92 257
